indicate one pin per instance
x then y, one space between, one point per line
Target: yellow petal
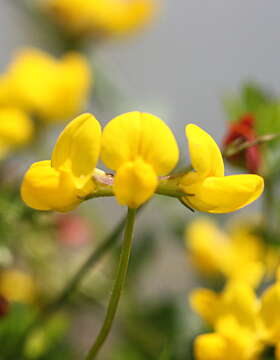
270 309
16 128
206 303
136 134
51 88
71 92
239 301
211 347
242 343
223 194
205 154
277 351
45 188
17 286
250 272
77 148
135 182
104 17
208 246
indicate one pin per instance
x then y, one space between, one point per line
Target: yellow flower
62 183
237 301
51 89
139 147
210 347
244 326
101 17
17 286
16 129
235 344
212 191
270 309
237 255
234 315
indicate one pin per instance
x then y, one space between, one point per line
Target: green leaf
233 107
268 119
253 97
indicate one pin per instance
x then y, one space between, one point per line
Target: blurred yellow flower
243 324
101 17
51 89
210 190
234 316
238 254
139 147
62 183
235 344
17 286
269 313
16 129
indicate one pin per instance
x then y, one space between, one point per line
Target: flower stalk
118 287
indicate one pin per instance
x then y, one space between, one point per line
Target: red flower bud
244 131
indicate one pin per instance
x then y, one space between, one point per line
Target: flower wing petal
206 157
77 148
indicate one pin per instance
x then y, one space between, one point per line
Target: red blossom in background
72 230
244 131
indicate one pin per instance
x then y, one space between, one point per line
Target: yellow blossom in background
244 326
236 255
62 183
210 190
16 129
100 17
51 89
269 313
234 316
139 147
17 286
234 344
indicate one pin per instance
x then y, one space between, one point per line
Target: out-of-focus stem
70 288
117 288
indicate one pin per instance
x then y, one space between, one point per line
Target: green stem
97 254
117 288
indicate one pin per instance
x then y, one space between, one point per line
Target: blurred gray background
179 68
181 65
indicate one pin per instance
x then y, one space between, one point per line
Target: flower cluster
142 151
244 326
35 85
100 17
237 254
50 89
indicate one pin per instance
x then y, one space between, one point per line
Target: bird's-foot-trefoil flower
139 147
211 190
64 181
